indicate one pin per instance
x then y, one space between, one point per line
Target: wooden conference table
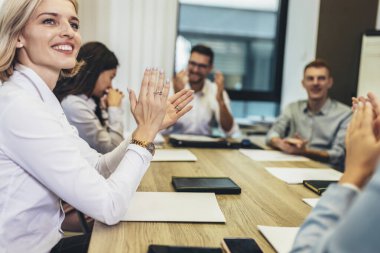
264 200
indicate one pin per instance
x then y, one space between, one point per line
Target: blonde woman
42 158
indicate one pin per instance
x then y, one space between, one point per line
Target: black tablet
181 249
218 185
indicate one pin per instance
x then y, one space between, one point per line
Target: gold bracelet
147 145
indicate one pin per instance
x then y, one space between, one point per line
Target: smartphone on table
240 245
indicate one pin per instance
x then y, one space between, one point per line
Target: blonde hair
14 15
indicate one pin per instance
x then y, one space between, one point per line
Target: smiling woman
34 19
39 42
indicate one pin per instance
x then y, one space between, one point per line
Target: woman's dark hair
97 58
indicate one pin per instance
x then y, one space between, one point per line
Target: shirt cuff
143 152
115 119
270 136
115 109
351 186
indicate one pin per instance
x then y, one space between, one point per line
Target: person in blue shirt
314 127
347 217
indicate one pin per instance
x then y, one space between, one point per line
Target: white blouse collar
29 80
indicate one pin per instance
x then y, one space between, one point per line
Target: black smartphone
181 249
240 245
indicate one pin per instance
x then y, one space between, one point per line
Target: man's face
317 82
199 67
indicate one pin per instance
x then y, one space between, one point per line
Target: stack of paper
298 175
281 238
271 155
174 207
198 138
311 202
173 155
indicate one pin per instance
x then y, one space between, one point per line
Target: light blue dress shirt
344 220
324 130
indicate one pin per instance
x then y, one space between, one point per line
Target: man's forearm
226 119
319 155
275 142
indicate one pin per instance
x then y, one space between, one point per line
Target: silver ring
157 93
178 108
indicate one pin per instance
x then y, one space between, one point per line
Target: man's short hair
318 63
202 49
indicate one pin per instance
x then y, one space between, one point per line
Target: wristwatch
148 145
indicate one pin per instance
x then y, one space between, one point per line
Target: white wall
142 34
300 47
95 19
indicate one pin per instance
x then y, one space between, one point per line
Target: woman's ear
19 43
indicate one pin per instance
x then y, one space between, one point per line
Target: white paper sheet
174 207
298 175
271 155
281 238
199 138
173 155
311 202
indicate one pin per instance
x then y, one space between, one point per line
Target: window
248 46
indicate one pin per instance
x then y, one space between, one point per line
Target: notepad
298 175
174 207
218 185
281 238
271 155
311 202
173 155
318 186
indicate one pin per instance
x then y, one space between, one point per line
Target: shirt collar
30 81
324 110
326 107
205 89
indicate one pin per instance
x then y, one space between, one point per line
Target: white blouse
43 160
80 111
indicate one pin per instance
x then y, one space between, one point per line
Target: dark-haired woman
89 100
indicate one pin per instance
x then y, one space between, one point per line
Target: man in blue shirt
314 127
347 217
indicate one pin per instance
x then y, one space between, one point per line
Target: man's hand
297 141
292 146
362 145
219 80
375 102
180 80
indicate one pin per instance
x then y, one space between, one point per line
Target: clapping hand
150 108
362 145
375 107
180 80
219 80
177 106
